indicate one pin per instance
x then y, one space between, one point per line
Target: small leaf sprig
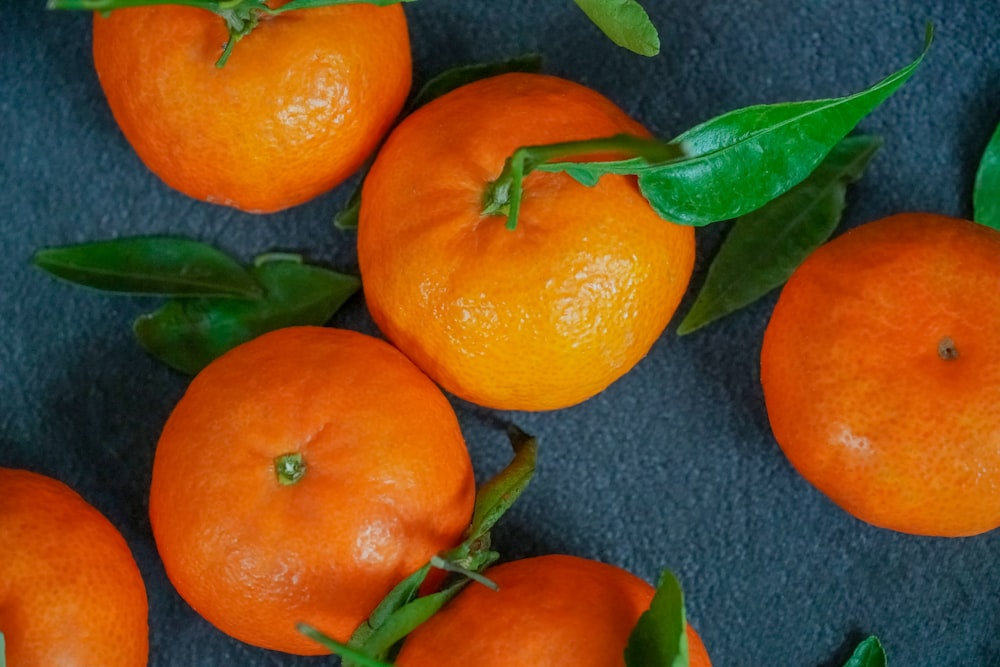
241 17
721 169
659 638
404 608
213 302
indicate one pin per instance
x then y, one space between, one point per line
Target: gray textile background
674 465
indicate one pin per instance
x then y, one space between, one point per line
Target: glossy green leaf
445 82
743 159
869 653
986 194
349 655
187 334
158 265
625 23
764 247
659 638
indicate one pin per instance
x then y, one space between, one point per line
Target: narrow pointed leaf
498 494
869 653
764 247
343 650
743 159
187 334
3 651
659 638
625 23
402 594
157 265
986 195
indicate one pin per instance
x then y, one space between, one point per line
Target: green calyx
289 468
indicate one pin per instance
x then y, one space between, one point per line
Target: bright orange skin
388 483
858 396
550 611
71 594
303 100
538 318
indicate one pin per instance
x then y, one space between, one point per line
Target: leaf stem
503 195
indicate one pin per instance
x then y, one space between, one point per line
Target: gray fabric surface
674 465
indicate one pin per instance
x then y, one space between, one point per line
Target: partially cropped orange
71 594
538 318
549 611
881 373
303 100
301 477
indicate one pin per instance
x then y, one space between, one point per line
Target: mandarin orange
301 103
881 373
549 611
302 475
71 593
538 318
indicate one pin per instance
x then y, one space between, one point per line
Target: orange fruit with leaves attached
70 591
548 611
300 104
881 373
536 318
301 476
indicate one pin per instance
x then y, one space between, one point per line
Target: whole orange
301 103
549 611
302 475
881 373
70 591
538 318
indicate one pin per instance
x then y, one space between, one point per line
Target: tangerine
301 476
70 590
304 99
549 610
536 318
881 373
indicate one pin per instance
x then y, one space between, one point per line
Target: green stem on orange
503 195
289 468
240 16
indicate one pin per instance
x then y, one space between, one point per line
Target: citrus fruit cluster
306 473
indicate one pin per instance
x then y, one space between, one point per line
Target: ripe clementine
70 591
302 475
548 611
881 373
302 102
538 318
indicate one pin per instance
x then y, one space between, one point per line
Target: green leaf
764 247
3 651
159 265
381 643
445 82
659 638
187 334
743 159
338 648
402 594
625 22
498 494
869 653
986 194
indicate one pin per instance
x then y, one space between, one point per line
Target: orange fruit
881 373
549 611
538 318
301 103
301 476
70 591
